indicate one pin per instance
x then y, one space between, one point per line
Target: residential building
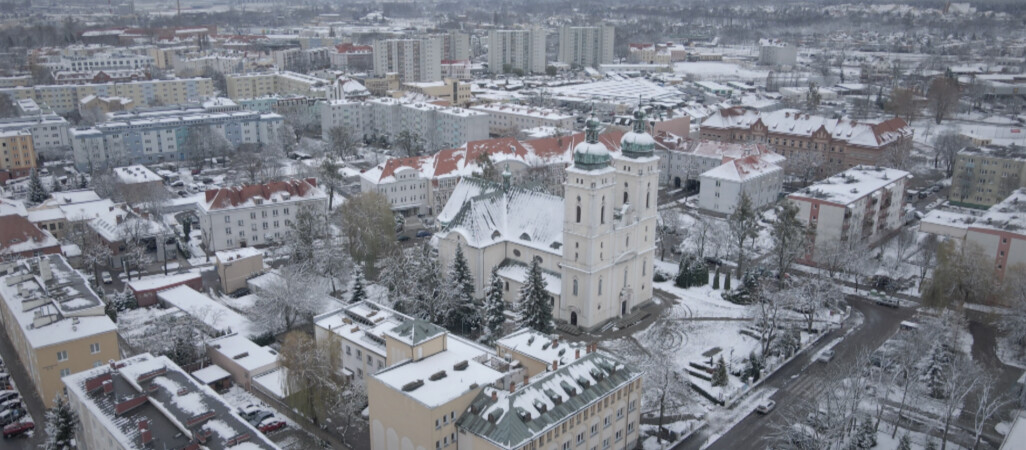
595 244
256 214
352 58
49 131
856 208
145 290
586 46
100 76
242 358
17 153
358 332
683 161
505 119
103 61
773 52
459 69
759 176
161 136
522 50
412 59
65 98
455 45
254 85
55 322
234 267
999 233
449 90
438 127
383 85
148 401
19 237
986 175
832 145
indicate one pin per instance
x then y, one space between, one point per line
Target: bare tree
926 255
1013 322
411 144
342 142
367 225
769 316
804 165
670 225
904 241
743 227
960 378
946 149
667 385
988 402
290 299
903 104
964 274
942 97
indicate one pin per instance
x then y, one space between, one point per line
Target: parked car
402 238
105 276
884 300
766 407
255 419
270 424
11 404
826 356
9 417
250 410
18 428
9 395
423 233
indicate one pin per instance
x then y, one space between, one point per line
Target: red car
18 428
268 425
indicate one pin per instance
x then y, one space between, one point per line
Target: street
800 382
29 396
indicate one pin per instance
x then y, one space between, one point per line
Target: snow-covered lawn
703 301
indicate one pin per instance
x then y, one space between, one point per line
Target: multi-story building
17 153
149 401
438 127
302 60
773 52
760 177
19 236
983 176
161 136
455 45
456 68
103 61
508 119
255 85
595 244
49 131
682 161
100 76
577 395
997 232
55 322
383 85
855 208
522 50
65 98
586 46
412 59
831 144
352 57
358 331
448 90
256 214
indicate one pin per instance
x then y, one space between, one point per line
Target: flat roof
846 187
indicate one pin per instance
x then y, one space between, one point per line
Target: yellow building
17 153
55 321
382 85
450 90
255 85
66 98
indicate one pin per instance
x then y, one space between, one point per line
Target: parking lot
30 399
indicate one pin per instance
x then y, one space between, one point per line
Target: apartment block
508 118
448 90
999 232
17 153
586 46
412 59
257 214
438 126
855 208
986 175
161 136
254 85
65 98
522 50
55 321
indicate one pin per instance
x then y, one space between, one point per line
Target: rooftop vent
438 375
413 385
462 365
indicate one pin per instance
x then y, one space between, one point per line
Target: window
437 424
580 438
97 363
578 213
607 421
62 355
349 350
575 287
94 348
359 354
605 443
600 287
65 372
619 413
369 360
566 445
594 429
619 435
227 219
630 428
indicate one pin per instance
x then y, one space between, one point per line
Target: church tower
588 253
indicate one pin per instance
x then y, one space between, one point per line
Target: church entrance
623 308
573 318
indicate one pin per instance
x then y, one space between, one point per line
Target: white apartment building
507 118
586 46
254 215
49 130
857 207
412 59
357 330
162 136
65 98
438 126
103 61
517 49
759 176
255 85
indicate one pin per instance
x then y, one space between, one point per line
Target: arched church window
600 286
578 213
575 287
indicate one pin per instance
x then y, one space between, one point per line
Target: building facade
586 46
984 176
508 119
17 153
522 50
65 98
412 59
759 177
438 127
256 214
255 85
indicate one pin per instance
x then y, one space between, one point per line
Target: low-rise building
999 232
760 177
855 208
145 290
242 358
49 130
448 90
55 322
986 175
147 401
234 267
773 52
19 236
358 330
258 214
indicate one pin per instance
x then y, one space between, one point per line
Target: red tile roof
16 229
234 196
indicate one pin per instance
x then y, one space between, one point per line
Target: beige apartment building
254 85
66 98
449 90
986 175
55 321
17 153
234 267
382 85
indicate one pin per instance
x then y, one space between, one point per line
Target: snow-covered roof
239 253
529 218
518 271
159 281
52 302
244 352
1008 215
540 347
207 311
851 185
253 194
363 323
872 134
210 374
743 169
172 405
518 110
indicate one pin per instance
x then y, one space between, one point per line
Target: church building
595 244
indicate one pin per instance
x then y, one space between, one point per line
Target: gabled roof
415 331
241 196
530 218
742 169
795 123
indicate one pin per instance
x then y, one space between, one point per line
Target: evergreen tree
940 357
83 182
187 230
905 443
61 422
683 279
930 444
535 305
37 193
359 293
494 309
753 367
719 375
865 436
716 280
726 282
463 317
699 272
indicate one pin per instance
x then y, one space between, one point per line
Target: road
799 383
29 396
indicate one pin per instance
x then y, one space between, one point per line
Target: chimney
577 354
512 386
555 343
108 387
555 364
146 436
495 396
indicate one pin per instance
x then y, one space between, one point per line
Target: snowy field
719 71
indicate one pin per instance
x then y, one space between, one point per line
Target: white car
826 356
766 407
105 276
